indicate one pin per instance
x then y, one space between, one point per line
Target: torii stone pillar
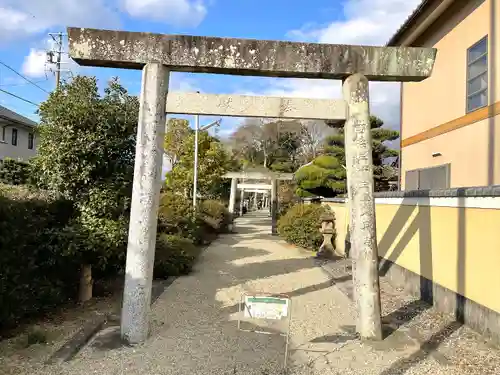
232 199
242 201
145 202
274 206
360 187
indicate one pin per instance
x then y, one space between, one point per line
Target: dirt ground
33 343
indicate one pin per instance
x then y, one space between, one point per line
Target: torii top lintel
260 175
270 58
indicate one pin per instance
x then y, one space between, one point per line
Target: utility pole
58 64
195 174
58 38
195 167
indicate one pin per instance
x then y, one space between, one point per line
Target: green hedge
181 230
34 274
217 211
14 172
39 232
174 256
301 223
176 217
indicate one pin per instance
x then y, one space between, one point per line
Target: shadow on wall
422 224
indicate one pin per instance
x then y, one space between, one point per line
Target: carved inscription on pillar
362 190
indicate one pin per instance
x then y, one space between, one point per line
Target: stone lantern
327 229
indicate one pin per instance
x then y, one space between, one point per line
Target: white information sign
266 307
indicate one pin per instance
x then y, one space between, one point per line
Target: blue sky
24 25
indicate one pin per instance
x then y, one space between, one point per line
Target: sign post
267 307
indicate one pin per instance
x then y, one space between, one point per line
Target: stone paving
195 323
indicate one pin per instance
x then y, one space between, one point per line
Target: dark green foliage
86 156
326 175
35 275
176 217
14 172
217 211
301 224
174 256
180 230
86 153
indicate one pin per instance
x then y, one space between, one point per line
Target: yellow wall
472 149
457 248
341 221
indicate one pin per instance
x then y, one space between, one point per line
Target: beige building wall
21 151
434 116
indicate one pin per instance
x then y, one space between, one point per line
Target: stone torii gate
273 176
157 55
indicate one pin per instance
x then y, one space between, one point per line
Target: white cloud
173 12
21 18
366 22
34 63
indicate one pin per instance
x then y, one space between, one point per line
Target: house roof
410 21
7 114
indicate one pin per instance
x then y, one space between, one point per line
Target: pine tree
326 174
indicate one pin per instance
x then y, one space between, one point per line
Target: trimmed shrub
217 211
174 256
35 275
14 172
301 223
325 177
176 217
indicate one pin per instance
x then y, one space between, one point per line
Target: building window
477 75
428 178
31 141
14 136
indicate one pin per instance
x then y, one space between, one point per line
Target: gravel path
195 322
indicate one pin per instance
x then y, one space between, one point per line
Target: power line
18 97
23 77
20 84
